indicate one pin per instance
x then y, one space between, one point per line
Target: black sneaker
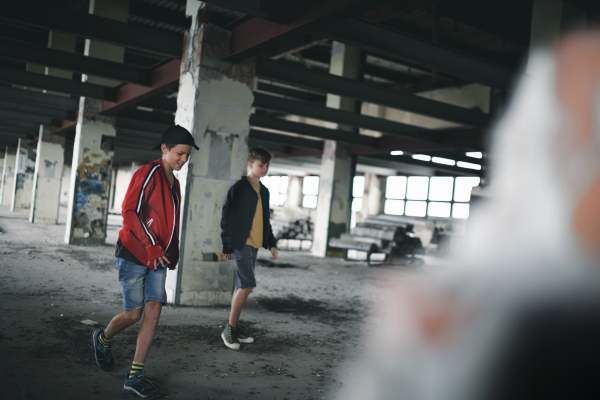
140 386
104 357
242 337
230 338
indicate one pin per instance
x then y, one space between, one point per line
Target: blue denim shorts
243 262
141 284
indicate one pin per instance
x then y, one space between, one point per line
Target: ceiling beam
30 79
38 99
303 109
405 48
25 117
289 92
258 35
41 55
264 136
162 78
311 130
8 105
304 77
93 27
449 169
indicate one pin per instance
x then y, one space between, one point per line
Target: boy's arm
271 240
227 221
137 194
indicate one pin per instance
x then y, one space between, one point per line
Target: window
358 188
420 196
310 190
277 186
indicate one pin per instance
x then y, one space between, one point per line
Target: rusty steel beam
258 35
162 78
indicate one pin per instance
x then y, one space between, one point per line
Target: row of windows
417 196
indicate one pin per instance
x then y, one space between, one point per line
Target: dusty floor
307 315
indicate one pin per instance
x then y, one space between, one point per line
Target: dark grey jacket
238 214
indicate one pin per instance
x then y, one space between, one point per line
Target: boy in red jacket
147 245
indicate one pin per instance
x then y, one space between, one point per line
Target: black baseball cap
176 134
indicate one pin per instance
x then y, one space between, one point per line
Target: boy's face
177 156
258 168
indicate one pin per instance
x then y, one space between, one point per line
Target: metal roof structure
410 46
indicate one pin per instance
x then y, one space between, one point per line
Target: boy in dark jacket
147 245
246 228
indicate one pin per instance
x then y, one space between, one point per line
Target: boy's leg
237 302
131 278
152 311
245 281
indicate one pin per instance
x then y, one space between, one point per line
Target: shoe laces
147 382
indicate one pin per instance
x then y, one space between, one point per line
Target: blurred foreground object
519 316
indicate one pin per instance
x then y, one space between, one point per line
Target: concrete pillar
94 144
337 167
24 169
47 177
371 200
294 193
90 175
214 103
8 176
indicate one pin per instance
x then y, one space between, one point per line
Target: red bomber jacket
151 215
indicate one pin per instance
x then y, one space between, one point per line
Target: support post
371 200
24 169
90 175
337 167
8 176
214 103
49 163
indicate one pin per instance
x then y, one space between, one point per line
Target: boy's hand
274 253
228 256
162 260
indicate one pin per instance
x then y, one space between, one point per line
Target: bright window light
416 208
397 152
460 211
356 204
474 154
394 207
421 157
440 188
309 201
395 187
463 164
417 188
358 188
310 186
282 198
283 184
463 186
438 209
441 160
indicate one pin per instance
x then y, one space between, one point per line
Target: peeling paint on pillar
214 103
8 176
47 176
90 180
24 168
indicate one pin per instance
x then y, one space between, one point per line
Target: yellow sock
135 367
103 340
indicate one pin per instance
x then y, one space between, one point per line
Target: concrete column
90 175
294 193
47 177
337 167
24 169
94 145
371 200
214 103
8 176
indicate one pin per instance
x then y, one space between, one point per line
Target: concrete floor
307 314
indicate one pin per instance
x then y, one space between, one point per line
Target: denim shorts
141 284
243 261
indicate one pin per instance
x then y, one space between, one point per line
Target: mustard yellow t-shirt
255 238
